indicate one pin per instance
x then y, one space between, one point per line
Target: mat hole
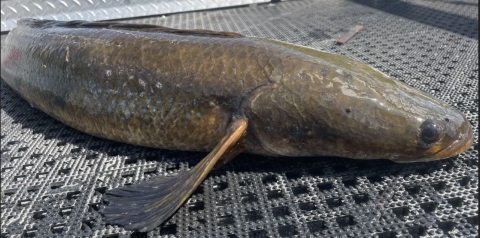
39 215
274 194
33 189
218 187
91 156
57 228
446 226
316 226
249 198
325 186
258 234
9 192
253 216
439 186
93 207
100 191
473 220
129 174
150 172
413 190
57 185
168 230
280 211
455 202
113 153
138 234
19 178
26 233
15 158
64 171
349 182
73 195
28 167
151 158
196 206
429 206
226 220
224 202
345 221
334 202
417 231
130 161
49 163
299 190
387 234
245 182
13 142
287 231
6 169
360 198
35 156
269 179
87 224
307 206
172 167
448 166
401 212
65 211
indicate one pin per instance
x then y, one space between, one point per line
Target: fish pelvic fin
146 205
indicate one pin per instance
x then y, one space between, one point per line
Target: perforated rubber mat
53 177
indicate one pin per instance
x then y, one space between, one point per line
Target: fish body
222 92
179 90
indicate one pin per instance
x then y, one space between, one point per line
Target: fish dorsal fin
125 26
146 205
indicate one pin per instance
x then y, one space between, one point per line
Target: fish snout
447 140
462 141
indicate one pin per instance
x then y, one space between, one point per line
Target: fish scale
275 99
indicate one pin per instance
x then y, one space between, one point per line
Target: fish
222 93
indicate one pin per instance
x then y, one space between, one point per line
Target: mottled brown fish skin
179 89
150 89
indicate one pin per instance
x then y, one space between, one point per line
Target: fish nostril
447 120
348 110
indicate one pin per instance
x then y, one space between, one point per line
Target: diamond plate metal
96 10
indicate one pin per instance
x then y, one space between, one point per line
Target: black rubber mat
53 177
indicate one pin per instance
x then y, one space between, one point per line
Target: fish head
332 105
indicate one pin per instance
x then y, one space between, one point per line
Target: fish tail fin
146 205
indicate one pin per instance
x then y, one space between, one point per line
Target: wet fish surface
220 92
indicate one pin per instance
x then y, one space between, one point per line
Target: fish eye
430 131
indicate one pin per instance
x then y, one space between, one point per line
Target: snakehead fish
225 93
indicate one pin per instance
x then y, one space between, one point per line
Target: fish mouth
457 147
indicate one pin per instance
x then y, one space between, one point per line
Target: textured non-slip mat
53 177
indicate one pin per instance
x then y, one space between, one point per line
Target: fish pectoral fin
231 153
146 205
